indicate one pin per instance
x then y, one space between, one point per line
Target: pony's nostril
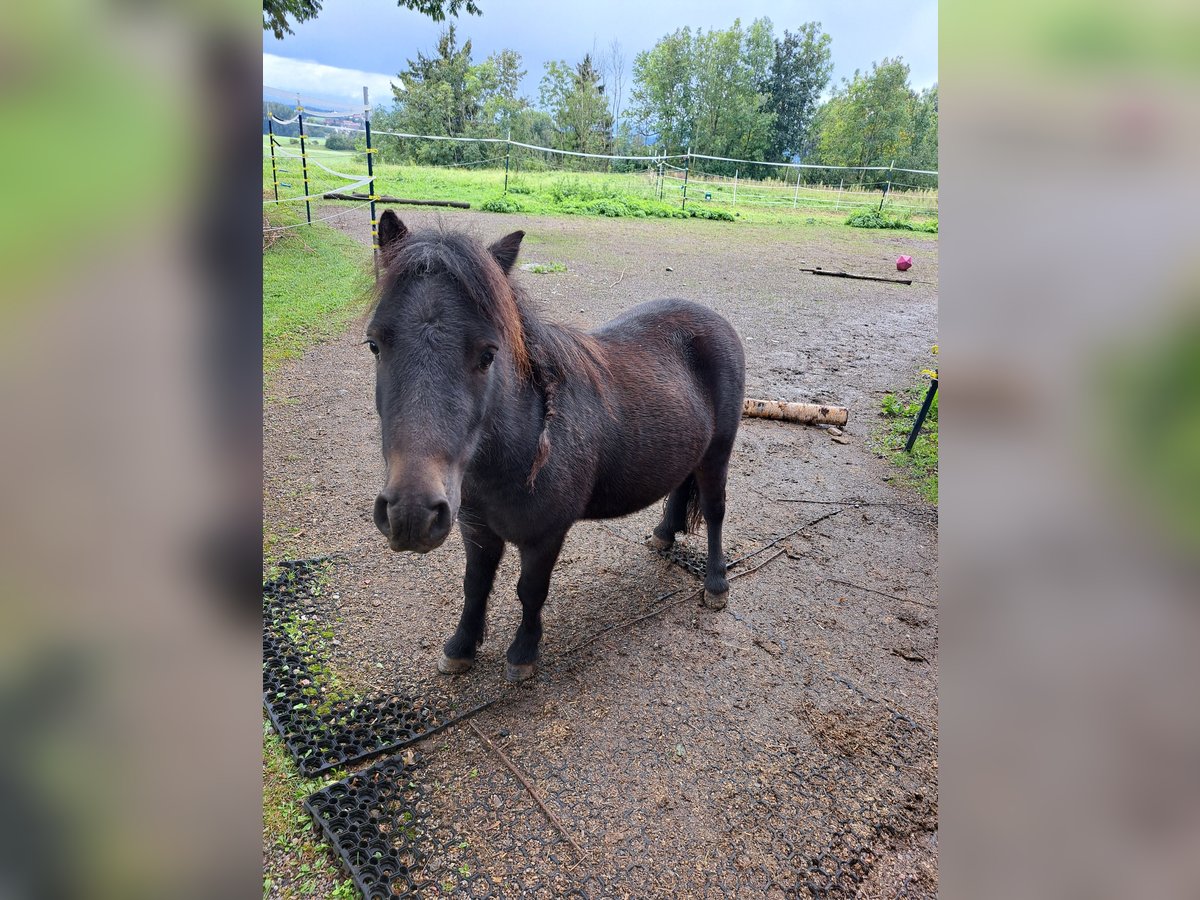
381 515
441 520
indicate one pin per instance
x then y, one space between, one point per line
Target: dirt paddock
785 746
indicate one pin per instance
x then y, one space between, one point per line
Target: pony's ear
506 249
391 230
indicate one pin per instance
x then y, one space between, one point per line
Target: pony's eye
374 347
486 359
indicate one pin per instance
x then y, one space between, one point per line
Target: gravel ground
784 746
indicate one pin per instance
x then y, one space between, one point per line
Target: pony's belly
613 498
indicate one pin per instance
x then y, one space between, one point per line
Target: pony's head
447 338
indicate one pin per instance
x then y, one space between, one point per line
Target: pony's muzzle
412 523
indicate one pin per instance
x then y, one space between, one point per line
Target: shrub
503 205
337 141
873 218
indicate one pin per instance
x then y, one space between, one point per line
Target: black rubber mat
374 820
789 822
321 727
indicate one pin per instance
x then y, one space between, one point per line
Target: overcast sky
357 42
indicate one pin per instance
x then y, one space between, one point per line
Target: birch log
800 413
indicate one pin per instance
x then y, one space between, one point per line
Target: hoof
519 673
716 601
448 666
654 542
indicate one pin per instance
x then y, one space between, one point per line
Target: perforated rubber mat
739 820
324 728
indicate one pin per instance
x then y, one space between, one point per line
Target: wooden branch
800 413
457 204
529 787
834 274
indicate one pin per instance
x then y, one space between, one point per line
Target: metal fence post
687 165
912 436
796 193
735 174
507 152
887 186
371 192
303 159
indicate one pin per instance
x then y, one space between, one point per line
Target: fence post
658 188
507 151
371 192
274 174
838 201
735 174
303 159
916 429
887 186
796 193
687 165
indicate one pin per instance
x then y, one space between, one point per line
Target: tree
663 82
705 90
924 150
799 73
869 119
574 97
277 12
440 94
614 78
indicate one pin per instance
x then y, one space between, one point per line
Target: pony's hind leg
674 518
710 478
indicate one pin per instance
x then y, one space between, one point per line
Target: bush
503 205
338 141
873 218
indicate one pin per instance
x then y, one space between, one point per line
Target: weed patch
873 218
921 465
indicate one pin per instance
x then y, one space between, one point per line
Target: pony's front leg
537 562
484 549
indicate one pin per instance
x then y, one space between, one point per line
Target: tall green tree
924 151
448 93
869 119
707 91
574 97
663 84
799 74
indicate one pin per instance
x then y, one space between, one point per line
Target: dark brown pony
517 427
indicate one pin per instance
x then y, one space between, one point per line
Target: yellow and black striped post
371 184
303 160
274 174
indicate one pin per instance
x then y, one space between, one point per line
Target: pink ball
904 263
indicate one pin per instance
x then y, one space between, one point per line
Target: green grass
315 279
296 862
542 191
545 268
920 467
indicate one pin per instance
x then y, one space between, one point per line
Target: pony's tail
694 515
